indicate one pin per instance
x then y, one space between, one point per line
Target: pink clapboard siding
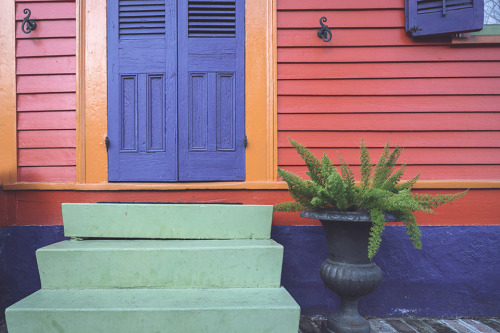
373 81
46 92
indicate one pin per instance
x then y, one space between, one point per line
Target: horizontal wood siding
373 81
44 207
46 98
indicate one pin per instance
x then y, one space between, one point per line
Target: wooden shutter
431 17
142 95
211 90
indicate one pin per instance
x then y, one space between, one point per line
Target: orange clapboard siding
45 47
352 37
44 207
47 139
385 54
342 19
428 172
348 104
46 120
324 139
435 86
59 28
46 102
47 174
339 4
421 156
373 81
46 11
46 157
388 70
48 65
390 122
46 83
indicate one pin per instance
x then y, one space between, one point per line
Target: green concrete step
177 221
160 264
245 310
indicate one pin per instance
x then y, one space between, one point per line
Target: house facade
194 101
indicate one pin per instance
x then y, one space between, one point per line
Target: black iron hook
324 32
30 24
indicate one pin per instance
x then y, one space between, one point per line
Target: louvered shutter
431 17
142 95
211 90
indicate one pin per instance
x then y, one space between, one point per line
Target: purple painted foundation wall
455 275
18 269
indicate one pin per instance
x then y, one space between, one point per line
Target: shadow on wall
18 269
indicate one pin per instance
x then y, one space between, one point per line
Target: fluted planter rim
335 215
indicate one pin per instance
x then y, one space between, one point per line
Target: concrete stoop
160 268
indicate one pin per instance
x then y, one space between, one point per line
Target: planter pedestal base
350 282
347 320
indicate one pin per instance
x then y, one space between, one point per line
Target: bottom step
252 310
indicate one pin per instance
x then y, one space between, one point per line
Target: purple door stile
211 90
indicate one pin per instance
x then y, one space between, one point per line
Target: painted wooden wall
372 81
46 99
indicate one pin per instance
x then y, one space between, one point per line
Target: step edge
189 247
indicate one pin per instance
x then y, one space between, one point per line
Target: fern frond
385 165
379 167
408 184
366 166
327 168
413 230
312 162
291 206
348 176
392 181
335 191
378 223
302 191
428 201
346 171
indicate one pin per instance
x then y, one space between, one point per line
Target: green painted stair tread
172 221
243 310
160 264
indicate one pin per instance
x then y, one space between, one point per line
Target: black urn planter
348 271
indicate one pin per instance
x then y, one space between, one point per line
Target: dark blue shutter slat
134 18
432 17
211 18
211 90
142 97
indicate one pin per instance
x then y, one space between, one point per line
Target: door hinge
415 28
106 142
245 141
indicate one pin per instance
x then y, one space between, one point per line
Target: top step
167 221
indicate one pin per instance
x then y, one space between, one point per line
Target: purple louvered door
176 90
211 89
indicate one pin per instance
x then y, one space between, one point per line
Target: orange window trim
8 122
268 185
260 92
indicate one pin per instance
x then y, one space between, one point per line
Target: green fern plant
380 190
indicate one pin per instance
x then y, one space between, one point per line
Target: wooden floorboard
419 325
